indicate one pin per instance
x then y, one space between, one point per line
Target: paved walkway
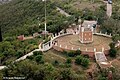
102 60
23 57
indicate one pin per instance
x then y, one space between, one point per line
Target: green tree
30 57
19 53
115 38
112 45
112 52
38 58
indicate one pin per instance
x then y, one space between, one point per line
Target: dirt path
63 12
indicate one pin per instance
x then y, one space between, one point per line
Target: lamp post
45 17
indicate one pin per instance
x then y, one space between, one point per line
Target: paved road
109 10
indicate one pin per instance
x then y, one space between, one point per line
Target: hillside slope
23 16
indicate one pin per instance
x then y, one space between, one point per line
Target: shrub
67 65
115 38
71 54
100 77
65 52
38 58
86 56
37 53
112 52
65 74
85 62
68 61
55 62
42 61
77 52
19 53
78 60
30 57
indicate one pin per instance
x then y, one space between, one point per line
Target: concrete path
102 60
23 57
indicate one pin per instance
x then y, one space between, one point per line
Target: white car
110 1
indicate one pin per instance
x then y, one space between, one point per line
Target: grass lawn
51 56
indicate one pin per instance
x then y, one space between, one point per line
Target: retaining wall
90 53
50 44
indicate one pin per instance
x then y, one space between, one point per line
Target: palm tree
0 35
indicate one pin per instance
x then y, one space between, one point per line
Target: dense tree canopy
23 17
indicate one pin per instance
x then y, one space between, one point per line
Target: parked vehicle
110 1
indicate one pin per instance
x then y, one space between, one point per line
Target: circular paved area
73 41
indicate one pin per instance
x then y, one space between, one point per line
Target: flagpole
45 23
45 19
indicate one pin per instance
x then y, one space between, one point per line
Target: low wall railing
48 45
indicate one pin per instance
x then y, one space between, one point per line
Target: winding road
109 10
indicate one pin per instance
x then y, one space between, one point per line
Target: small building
102 60
46 33
86 34
117 44
86 31
21 37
